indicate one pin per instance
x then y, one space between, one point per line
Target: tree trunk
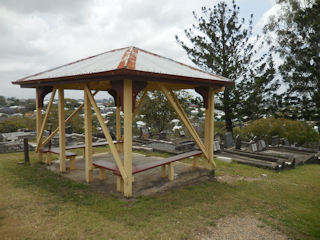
227 109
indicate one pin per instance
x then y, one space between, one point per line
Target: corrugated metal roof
125 58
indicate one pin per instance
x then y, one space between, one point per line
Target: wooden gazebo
123 73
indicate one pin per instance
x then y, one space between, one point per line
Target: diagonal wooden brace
45 119
183 116
107 134
140 103
66 121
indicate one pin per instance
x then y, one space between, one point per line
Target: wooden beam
140 103
66 121
88 138
179 110
107 134
62 131
39 123
127 135
118 125
45 119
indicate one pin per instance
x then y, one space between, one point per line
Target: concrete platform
145 183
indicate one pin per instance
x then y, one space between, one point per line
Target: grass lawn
38 204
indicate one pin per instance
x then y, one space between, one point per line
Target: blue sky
38 35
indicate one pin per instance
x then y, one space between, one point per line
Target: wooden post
118 126
72 162
62 131
88 138
26 151
48 158
195 161
127 135
171 171
39 122
119 184
209 131
163 171
102 174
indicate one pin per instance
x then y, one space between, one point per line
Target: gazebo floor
145 183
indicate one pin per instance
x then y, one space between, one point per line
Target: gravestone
216 146
253 147
163 135
228 140
69 129
182 133
144 133
238 142
275 140
218 137
284 142
261 145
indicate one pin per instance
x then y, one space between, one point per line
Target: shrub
295 131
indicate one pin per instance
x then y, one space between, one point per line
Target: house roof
129 61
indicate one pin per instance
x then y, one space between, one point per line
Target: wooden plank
39 123
45 119
185 120
127 135
62 132
107 134
140 103
88 138
66 121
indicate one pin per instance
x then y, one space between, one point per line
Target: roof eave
119 74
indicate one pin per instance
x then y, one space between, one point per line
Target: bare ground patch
241 227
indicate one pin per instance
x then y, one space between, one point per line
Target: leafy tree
158 113
12 124
297 29
221 43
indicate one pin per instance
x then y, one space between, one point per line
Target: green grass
38 204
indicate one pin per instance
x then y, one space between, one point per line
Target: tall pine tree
223 44
297 29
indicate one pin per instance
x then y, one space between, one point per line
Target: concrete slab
145 183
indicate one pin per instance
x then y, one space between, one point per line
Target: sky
37 35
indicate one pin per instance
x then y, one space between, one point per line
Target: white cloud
37 35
